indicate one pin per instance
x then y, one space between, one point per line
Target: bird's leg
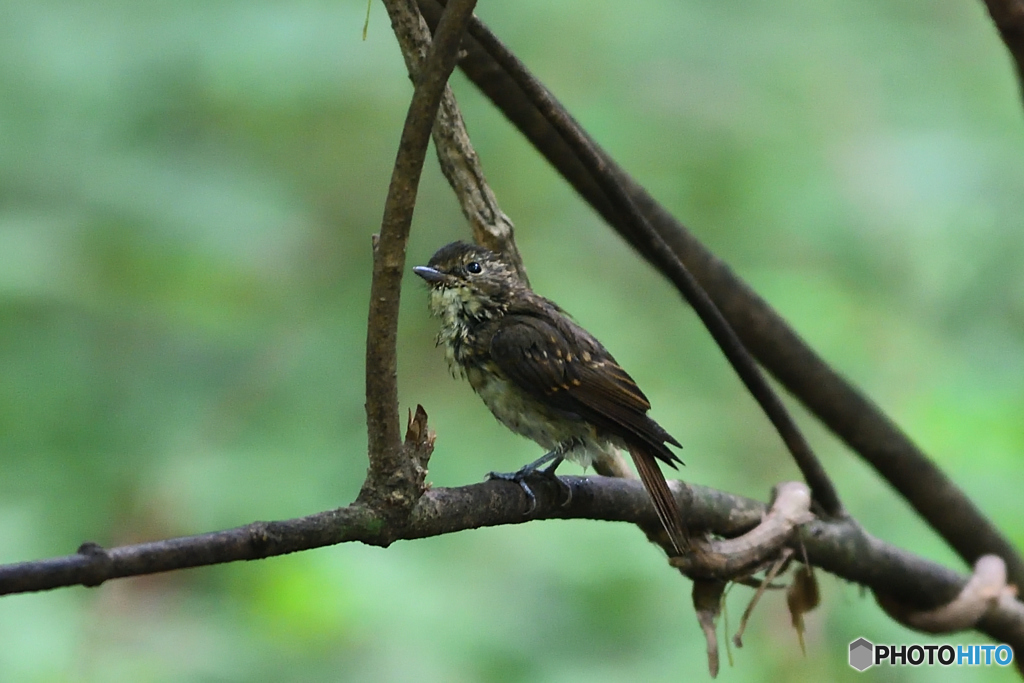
555 457
550 472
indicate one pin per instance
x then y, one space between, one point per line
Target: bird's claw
519 477
566 488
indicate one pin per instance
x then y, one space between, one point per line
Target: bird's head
469 281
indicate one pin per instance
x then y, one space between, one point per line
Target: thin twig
838 404
772 572
387 481
459 161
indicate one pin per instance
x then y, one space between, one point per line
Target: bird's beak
429 274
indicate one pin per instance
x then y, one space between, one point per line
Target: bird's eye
473 267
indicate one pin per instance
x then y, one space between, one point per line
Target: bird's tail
664 504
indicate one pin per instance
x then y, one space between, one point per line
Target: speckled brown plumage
540 373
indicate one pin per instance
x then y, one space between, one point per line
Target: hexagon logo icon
861 654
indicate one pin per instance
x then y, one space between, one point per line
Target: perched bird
542 375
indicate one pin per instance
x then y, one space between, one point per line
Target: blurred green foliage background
187 194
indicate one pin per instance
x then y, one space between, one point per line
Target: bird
542 375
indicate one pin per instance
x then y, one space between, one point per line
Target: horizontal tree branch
838 546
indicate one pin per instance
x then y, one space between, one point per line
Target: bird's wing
580 378
583 379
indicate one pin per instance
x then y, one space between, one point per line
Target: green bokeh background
187 194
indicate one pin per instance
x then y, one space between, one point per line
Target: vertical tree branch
388 476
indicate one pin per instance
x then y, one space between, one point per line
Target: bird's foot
520 476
